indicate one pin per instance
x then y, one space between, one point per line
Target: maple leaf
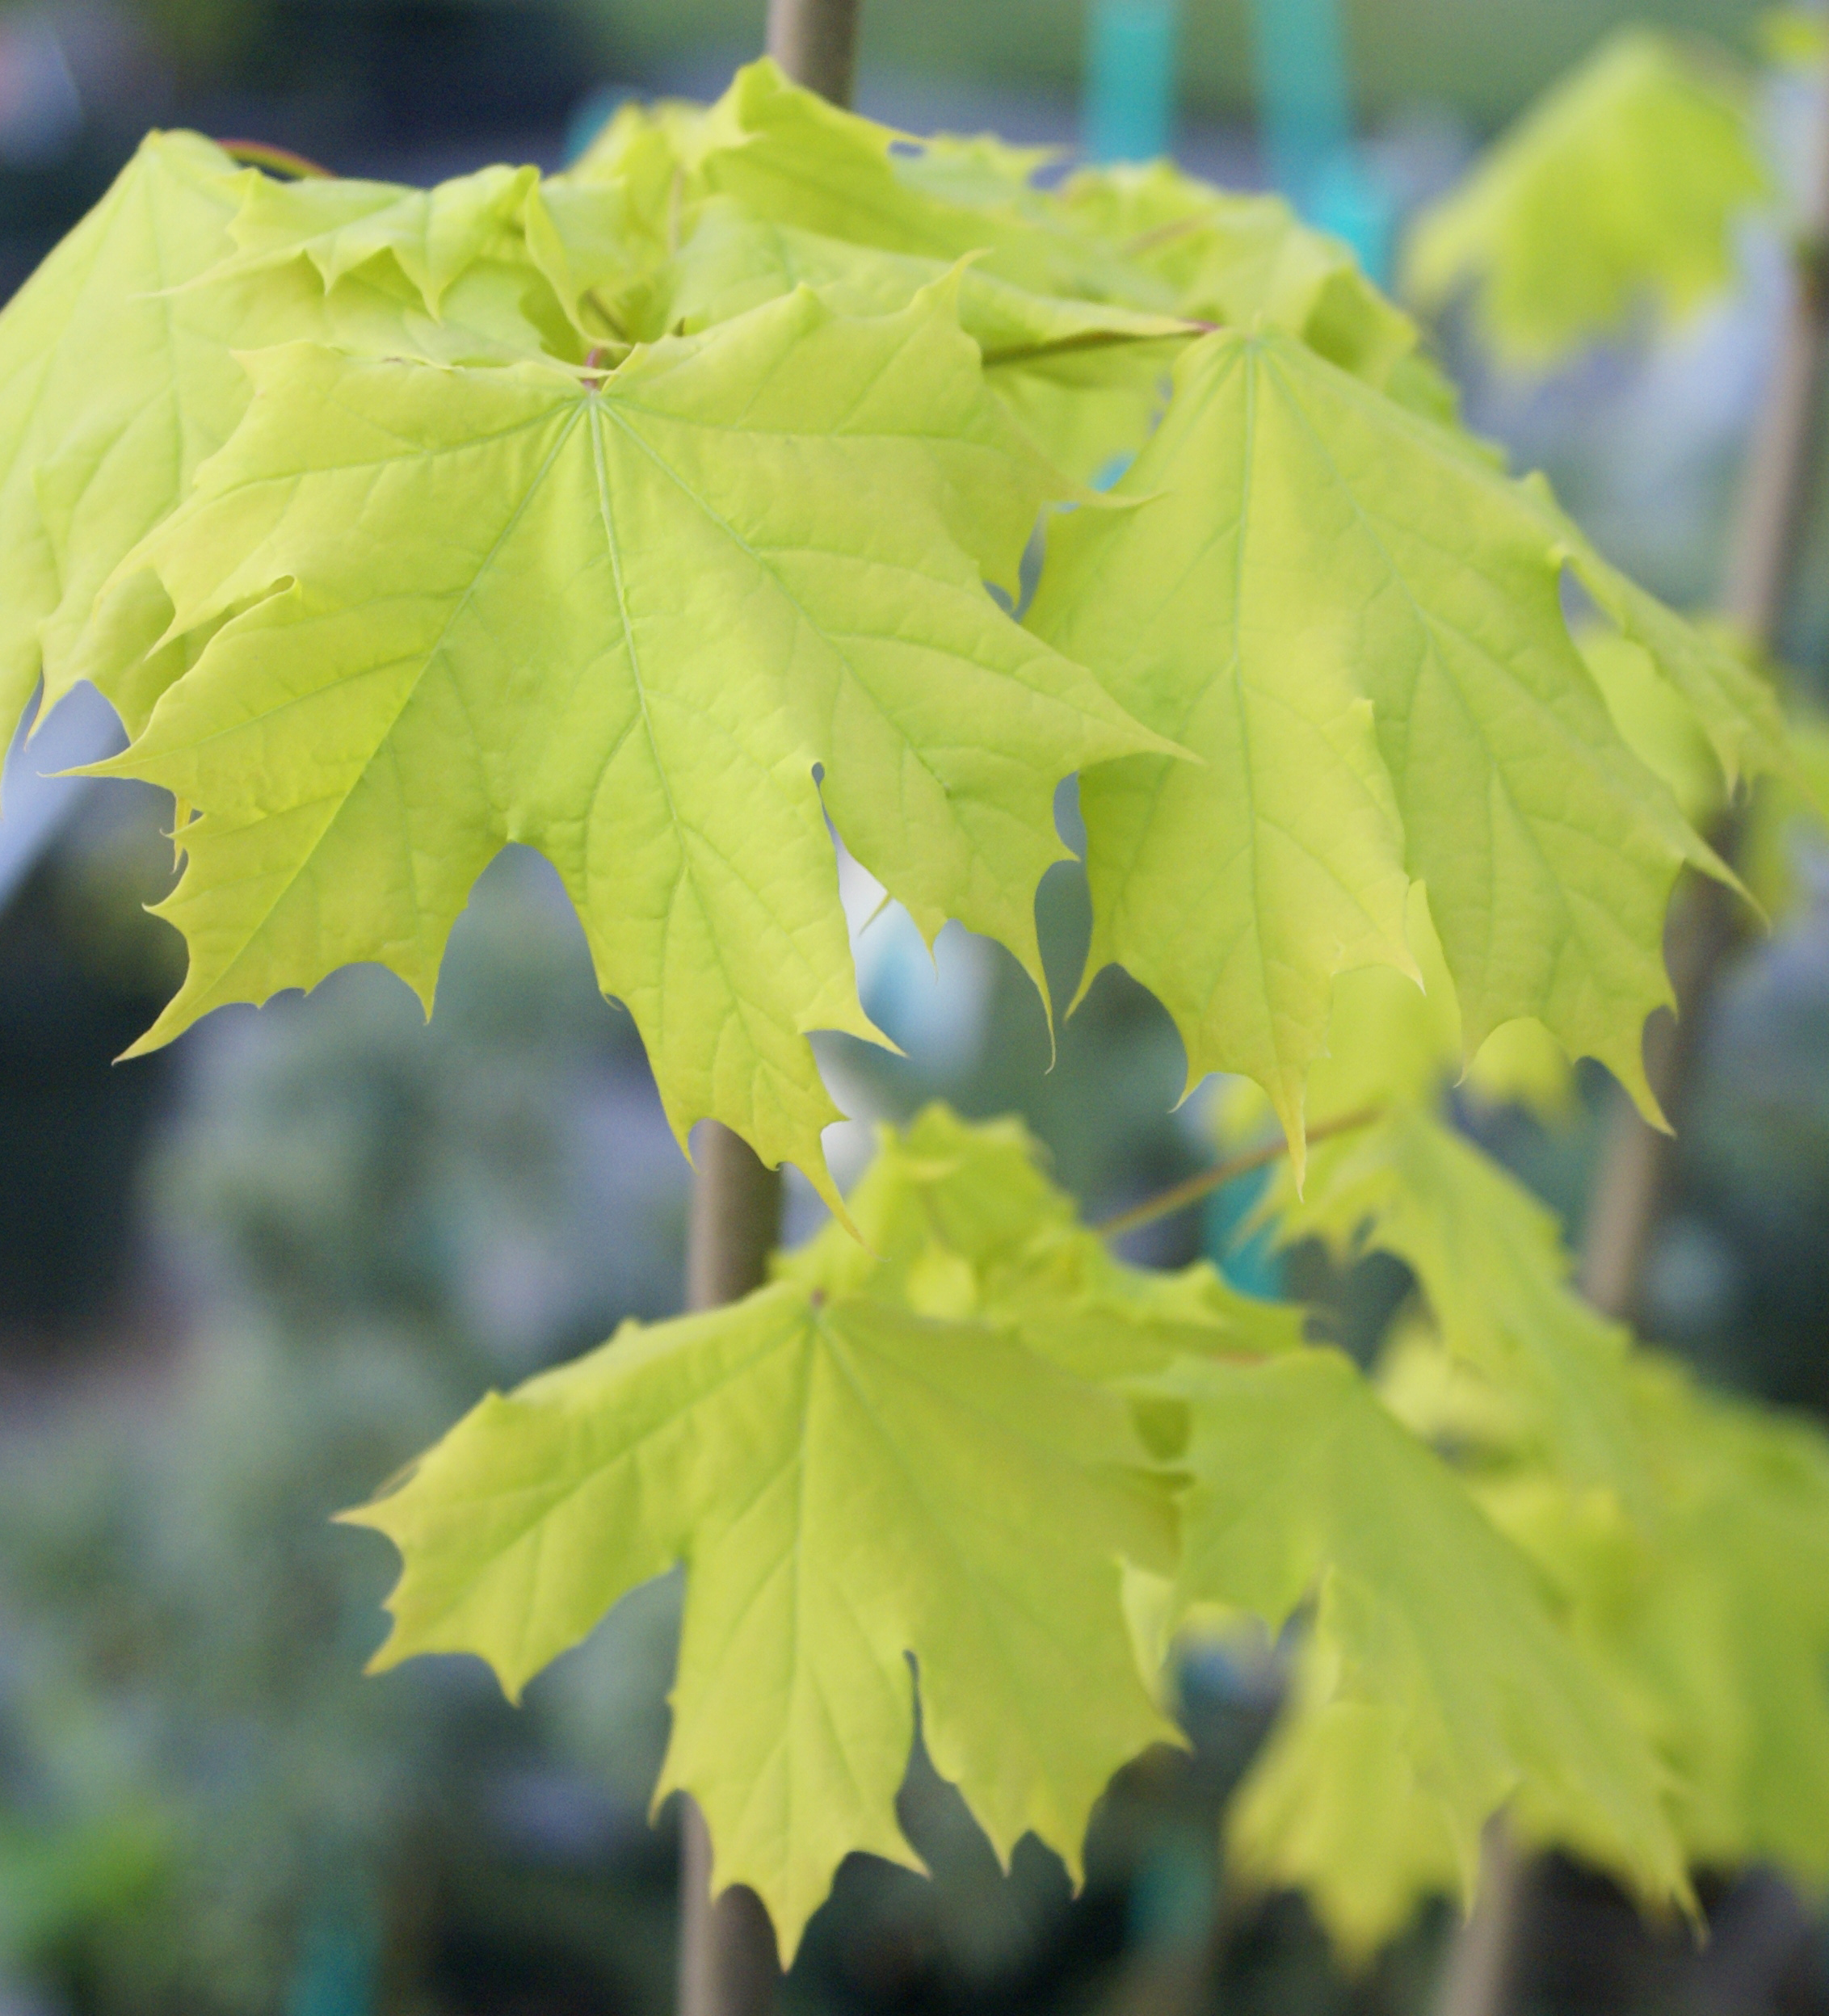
1245 260
1708 1614
1303 1481
732 261
1702 1605
431 235
1394 1045
1331 1807
718 184
1084 377
787 156
103 375
562 242
1490 1258
621 620
1663 731
956 1219
1356 622
118 381
1622 186
852 1489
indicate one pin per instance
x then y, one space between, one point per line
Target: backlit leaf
1621 189
621 620
118 380
1489 1259
1356 624
862 1498
958 1220
1304 1484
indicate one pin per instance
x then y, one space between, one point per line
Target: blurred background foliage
243 1280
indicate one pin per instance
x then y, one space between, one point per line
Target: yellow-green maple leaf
1703 1606
958 1219
1710 1616
109 396
1331 1807
622 620
432 235
567 246
1623 186
860 1496
1356 623
1490 1258
1243 260
1394 1044
1303 1484
1084 377
118 381
732 261
787 155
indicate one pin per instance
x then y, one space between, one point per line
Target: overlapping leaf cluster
930 1463
1681 1538
645 515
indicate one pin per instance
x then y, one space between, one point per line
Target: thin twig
1162 234
1210 1180
275 160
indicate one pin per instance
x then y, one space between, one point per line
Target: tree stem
727 1964
1634 1173
815 42
727 1954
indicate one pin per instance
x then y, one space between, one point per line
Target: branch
1210 1180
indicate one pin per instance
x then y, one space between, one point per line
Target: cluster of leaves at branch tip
968 1457
605 512
646 515
1682 1538
977 1453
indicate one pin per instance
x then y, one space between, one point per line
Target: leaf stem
1204 1185
275 160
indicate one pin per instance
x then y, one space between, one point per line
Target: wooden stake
815 42
727 1960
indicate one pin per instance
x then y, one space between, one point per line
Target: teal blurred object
1253 1264
1131 56
1306 108
339 1957
592 113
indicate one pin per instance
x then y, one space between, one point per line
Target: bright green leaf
1331 1806
432 235
1489 1259
1664 732
118 379
1084 378
1356 624
1620 189
1304 1484
1244 261
621 621
859 1496
958 1220
1710 1617
109 396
